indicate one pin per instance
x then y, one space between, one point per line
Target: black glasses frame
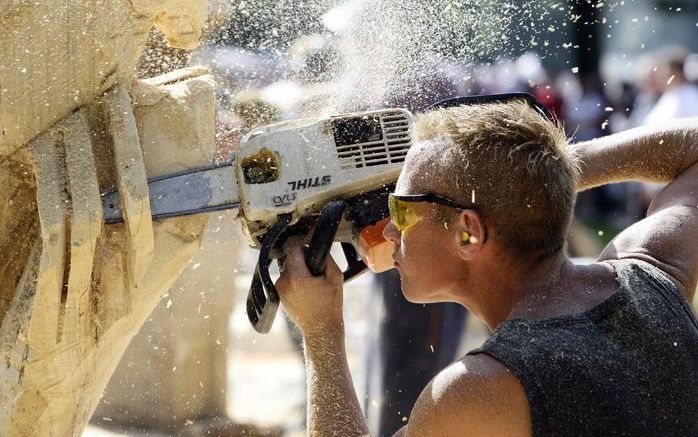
431 198
494 98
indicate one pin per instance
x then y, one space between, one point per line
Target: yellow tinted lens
409 217
402 215
395 213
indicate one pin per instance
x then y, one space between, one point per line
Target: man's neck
503 288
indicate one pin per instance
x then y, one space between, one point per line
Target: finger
295 258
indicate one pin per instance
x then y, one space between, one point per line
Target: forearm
646 154
333 408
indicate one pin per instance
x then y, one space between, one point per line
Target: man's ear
470 233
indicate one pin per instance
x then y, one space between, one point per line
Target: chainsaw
328 175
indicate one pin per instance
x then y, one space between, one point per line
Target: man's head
508 166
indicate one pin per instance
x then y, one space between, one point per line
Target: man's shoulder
476 395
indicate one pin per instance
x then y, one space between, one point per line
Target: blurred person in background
648 88
535 79
585 119
415 342
679 97
586 115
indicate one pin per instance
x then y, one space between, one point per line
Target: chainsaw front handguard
263 298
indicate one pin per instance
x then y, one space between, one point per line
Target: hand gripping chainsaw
329 175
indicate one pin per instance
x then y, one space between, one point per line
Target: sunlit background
197 367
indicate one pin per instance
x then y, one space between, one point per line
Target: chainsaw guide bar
189 192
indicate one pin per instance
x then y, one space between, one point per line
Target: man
479 217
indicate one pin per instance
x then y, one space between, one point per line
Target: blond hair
509 163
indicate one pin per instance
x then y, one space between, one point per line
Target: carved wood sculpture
73 123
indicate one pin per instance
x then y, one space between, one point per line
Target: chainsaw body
329 175
296 167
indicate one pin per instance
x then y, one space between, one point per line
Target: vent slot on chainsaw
368 141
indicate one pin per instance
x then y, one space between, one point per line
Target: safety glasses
494 98
404 215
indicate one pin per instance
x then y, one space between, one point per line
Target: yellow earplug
465 237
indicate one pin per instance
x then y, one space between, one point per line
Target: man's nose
391 233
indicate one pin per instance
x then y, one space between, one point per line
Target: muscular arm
333 408
315 305
668 237
657 154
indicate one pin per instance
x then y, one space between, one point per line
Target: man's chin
414 296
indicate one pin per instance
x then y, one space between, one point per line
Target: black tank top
627 367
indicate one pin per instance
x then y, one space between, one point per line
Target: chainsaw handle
321 241
355 265
263 299
324 231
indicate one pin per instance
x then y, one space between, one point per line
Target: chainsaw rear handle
324 233
263 298
355 265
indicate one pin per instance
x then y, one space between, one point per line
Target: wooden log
68 306
75 307
58 55
131 182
